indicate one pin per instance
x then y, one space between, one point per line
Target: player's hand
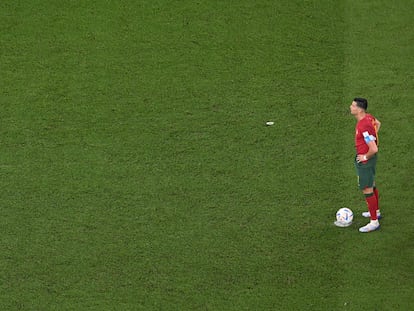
361 158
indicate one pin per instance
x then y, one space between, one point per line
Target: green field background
137 172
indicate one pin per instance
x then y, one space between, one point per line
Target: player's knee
368 191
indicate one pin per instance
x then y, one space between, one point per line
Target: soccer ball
344 216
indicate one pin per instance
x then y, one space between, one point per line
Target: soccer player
366 144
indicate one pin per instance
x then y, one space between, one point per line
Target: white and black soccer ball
344 216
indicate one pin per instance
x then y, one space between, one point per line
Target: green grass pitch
137 172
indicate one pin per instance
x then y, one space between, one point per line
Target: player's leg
366 183
376 193
371 167
372 202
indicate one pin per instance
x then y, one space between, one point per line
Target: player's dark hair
361 102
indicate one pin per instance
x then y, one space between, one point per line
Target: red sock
372 205
377 196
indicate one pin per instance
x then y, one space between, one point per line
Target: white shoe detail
370 227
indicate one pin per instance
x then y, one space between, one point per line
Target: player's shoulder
369 117
367 121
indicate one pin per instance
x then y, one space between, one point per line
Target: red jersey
365 132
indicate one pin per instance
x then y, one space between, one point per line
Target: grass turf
137 173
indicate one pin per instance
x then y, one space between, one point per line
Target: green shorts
366 173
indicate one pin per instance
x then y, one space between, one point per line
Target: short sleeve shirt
365 132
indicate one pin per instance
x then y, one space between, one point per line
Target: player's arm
373 149
370 140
